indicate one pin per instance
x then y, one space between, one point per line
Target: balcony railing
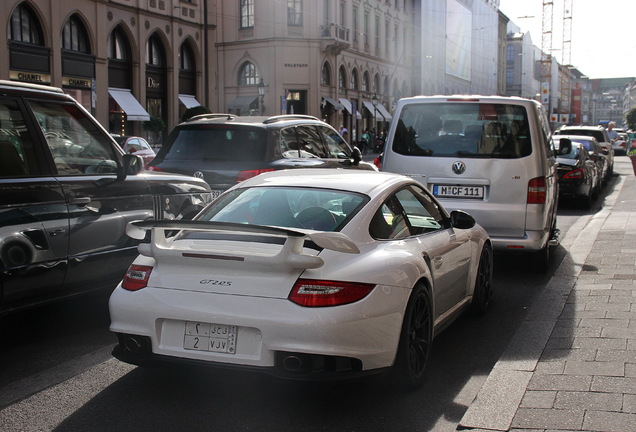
333 31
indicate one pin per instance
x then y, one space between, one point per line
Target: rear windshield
216 143
478 130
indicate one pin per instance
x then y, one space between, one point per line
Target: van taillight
244 175
537 190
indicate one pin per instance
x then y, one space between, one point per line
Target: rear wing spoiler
291 253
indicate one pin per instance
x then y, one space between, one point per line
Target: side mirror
565 146
461 220
131 165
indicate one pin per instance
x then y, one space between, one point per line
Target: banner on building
545 93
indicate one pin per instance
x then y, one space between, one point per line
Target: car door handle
57 231
79 200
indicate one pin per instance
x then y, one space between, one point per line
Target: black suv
67 192
224 149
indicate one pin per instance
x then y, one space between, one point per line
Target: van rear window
467 130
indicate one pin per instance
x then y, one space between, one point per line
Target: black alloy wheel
416 340
483 283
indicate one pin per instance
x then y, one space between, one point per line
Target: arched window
74 36
354 80
248 74
186 58
154 52
342 78
118 46
325 77
376 84
25 27
365 82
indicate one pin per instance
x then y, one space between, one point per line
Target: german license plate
209 337
454 191
216 193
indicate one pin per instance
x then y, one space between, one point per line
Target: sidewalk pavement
571 366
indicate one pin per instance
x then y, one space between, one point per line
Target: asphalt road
56 373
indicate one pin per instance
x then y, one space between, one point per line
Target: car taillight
578 173
244 175
153 168
319 293
537 191
136 277
378 163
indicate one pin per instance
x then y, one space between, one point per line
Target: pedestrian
611 133
365 140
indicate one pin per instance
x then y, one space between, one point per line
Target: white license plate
209 337
454 191
216 193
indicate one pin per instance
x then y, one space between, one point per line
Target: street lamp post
261 96
374 101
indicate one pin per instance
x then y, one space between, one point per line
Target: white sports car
306 274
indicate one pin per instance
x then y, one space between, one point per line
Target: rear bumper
349 339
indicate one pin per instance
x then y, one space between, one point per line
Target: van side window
17 155
77 144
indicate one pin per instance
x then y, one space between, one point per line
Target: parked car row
266 243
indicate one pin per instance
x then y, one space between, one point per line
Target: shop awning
189 101
128 104
347 105
337 105
385 113
369 106
242 103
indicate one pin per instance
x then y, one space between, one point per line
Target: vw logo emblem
459 167
198 174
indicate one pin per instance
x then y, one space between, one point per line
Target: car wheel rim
483 288
419 335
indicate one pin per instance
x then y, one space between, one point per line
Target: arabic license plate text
210 337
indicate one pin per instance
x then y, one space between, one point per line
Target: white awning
337 105
189 101
128 104
242 103
347 105
387 116
368 105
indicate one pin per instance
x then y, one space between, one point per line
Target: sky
602 43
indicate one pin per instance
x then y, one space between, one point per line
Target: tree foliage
631 119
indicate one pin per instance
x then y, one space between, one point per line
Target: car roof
255 121
469 98
360 181
588 127
574 137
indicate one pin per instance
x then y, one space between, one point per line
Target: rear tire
416 340
483 283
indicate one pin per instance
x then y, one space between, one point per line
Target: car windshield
308 208
216 143
478 130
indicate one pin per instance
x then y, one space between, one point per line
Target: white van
490 156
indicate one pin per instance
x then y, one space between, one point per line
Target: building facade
127 61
